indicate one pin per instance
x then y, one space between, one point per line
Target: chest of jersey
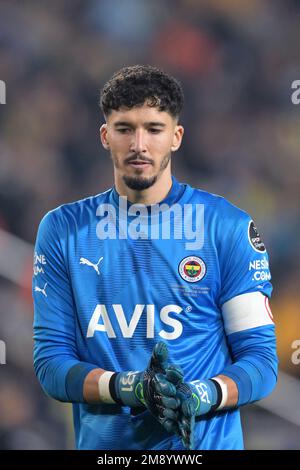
144 288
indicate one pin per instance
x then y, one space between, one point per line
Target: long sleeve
255 362
55 352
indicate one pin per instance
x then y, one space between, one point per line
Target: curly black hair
133 86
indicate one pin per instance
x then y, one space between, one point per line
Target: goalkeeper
152 260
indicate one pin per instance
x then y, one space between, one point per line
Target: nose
138 144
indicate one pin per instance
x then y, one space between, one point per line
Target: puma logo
93 265
43 291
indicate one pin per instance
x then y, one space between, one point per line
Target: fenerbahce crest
192 269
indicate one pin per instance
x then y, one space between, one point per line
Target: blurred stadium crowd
236 61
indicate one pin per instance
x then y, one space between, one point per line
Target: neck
152 195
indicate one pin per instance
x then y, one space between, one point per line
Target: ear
177 138
103 136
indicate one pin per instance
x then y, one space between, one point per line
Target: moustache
138 157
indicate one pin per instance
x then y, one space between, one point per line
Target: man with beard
121 274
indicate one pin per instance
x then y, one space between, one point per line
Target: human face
140 141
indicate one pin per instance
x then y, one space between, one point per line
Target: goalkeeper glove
206 397
147 388
197 398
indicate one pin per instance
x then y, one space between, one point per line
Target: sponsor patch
39 263
192 269
255 239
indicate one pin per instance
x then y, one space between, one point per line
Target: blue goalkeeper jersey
112 279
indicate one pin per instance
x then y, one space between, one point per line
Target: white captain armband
246 311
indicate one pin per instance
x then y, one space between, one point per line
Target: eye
154 130
123 130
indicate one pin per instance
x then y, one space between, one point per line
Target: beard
140 183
